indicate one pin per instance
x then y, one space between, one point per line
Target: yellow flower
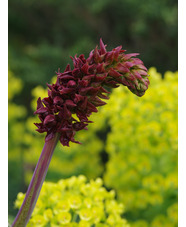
75 202
84 223
88 202
19 201
111 220
64 217
85 214
62 206
113 207
38 220
48 214
97 214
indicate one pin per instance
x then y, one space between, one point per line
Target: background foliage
133 143
142 148
42 34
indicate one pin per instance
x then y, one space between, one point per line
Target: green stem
36 183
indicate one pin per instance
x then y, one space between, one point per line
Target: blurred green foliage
132 144
42 34
16 116
142 148
75 202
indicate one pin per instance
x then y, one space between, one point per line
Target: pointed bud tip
102 47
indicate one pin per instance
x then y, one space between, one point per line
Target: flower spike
79 90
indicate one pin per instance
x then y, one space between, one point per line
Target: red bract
80 91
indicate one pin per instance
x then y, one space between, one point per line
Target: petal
96 101
89 91
109 57
70 103
121 67
71 83
78 98
129 76
91 107
49 136
58 100
66 77
64 140
128 64
97 57
41 110
89 77
100 68
100 77
102 47
39 103
85 68
66 90
128 56
49 119
136 74
79 126
82 105
114 73
67 68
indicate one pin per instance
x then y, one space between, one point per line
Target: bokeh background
133 143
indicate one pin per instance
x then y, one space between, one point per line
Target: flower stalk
36 183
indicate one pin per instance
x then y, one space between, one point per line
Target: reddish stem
36 183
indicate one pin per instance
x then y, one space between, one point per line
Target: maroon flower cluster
80 91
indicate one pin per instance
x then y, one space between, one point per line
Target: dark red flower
80 91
